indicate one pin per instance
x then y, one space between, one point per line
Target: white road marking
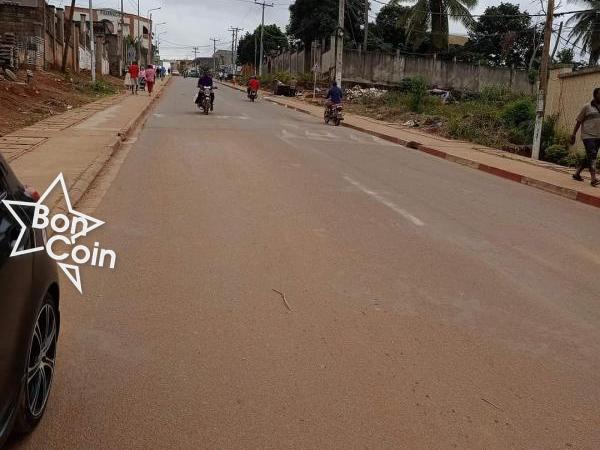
384 201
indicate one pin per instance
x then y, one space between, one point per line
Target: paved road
432 306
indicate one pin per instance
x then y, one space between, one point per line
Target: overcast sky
194 22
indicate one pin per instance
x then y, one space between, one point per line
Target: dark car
29 315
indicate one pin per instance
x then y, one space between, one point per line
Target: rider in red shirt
253 84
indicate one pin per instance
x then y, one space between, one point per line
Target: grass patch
496 117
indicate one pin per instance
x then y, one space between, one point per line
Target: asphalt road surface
431 306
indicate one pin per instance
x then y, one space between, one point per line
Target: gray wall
389 69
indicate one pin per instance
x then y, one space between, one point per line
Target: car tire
39 368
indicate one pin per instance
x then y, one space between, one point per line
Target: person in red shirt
134 71
150 78
253 84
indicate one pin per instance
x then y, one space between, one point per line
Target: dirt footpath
49 93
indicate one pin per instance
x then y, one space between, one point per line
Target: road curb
82 183
569 193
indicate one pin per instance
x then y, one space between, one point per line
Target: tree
564 56
433 14
502 36
274 39
586 30
312 20
390 23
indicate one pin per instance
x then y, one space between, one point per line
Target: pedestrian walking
150 78
134 71
589 122
142 78
128 83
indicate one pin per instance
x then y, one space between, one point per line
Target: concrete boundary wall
389 69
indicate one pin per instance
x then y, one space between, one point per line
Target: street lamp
156 31
149 15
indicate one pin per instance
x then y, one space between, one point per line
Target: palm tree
426 14
587 30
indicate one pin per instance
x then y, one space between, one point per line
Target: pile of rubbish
358 92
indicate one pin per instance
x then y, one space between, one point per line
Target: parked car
29 315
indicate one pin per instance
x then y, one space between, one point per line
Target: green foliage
389 26
317 19
586 29
274 39
101 87
574 159
518 112
564 56
502 42
556 154
496 94
476 121
433 14
417 92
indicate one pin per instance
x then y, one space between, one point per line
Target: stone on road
432 306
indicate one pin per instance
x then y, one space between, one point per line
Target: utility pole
232 48
121 42
262 35
92 44
366 36
339 44
543 83
255 54
195 57
214 53
139 36
234 37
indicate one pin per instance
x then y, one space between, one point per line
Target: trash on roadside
446 96
358 92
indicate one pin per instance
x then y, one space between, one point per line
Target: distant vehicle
194 73
29 316
175 73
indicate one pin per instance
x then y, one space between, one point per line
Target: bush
103 88
519 112
572 159
477 122
556 154
495 94
551 135
418 92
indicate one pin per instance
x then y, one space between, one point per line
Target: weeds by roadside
496 117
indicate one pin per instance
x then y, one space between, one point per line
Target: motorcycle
252 94
335 114
203 99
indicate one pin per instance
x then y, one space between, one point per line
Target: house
136 32
32 35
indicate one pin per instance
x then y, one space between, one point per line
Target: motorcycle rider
253 84
334 95
206 81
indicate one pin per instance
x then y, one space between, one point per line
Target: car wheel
39 371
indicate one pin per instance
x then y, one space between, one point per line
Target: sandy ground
50 93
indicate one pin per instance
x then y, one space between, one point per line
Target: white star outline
74 277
